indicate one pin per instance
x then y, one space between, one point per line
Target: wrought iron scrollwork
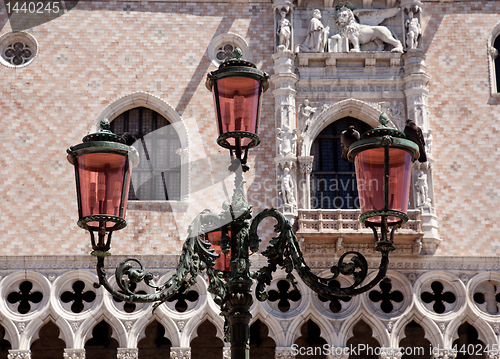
196 256
284 251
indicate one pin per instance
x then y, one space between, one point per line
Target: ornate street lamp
383 158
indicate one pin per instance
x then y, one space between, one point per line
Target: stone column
416 92
19 354
74 353
127 353
338 353
180 353
305 165
283 82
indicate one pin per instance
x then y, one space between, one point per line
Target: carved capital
305 163
74 353
390 353
127 353
493 52
19 354
444 354
180 353
284 353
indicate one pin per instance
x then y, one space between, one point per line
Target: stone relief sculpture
287 141
396 110
284 30
287 188
317 35
306 112
422 189
360 34
414 30
428 142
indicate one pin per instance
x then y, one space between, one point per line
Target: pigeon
347 138
414 134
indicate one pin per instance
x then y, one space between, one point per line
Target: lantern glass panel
221 263
370 178
238 100
101 185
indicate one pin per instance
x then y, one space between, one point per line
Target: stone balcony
338 230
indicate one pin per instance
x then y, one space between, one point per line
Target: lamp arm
196 256
284 251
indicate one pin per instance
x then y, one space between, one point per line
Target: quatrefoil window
17 49
78 296
225 52
18 53
488 293
386 296
284 295
335 303
438 297
181 300
24 297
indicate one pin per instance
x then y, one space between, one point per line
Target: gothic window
496 58
333 181
158 175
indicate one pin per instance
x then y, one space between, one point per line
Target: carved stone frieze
284 353
390 353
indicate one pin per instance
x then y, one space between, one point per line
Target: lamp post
383 158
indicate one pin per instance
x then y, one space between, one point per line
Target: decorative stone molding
19 354
74 353
180 353
229 38
226 353
338 353
127 353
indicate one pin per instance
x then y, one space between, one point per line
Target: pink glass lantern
383 159
237 87
221 263
103 165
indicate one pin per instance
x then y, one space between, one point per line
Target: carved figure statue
288 188
284 30
306 113
414 31
288 141
397 111
359 34
317 35
422 188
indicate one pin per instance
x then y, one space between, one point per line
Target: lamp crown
104 134
383 129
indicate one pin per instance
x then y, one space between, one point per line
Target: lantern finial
105 124
237 54
383 119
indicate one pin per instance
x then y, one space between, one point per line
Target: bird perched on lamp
414 134
347 138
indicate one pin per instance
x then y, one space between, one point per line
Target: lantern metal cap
383 136
383 130
104 134
237 66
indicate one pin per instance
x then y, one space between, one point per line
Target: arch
171 330
85 330
484 330
361 110
152 102
492 53
274 327
11 333
379 331
192 326
432 332
294 330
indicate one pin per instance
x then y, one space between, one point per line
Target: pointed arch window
158 175
333 181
